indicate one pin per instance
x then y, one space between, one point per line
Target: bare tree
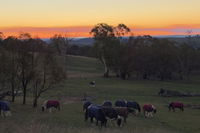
25 63
48 73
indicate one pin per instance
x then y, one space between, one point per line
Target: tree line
143 56
31 65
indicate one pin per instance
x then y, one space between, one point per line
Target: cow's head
43 108
154 109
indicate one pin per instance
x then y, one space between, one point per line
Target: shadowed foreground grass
43 128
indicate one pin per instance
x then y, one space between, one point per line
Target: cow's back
147 107
96 111
4 106
177 104
52 103
120 103
122 111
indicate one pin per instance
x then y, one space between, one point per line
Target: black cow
86 104
132 106
95 111
120 103
92 84
107 104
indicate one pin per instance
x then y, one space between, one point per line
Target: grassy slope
72 90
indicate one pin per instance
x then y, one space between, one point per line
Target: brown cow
122 112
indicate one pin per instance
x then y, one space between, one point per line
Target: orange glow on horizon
84 31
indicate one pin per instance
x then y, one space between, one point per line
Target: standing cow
174 105
95 111
122 112
112 114
132 106
5 108
49 104
149 110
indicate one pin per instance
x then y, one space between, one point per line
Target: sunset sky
75 18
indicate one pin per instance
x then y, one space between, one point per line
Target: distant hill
179 39
82 41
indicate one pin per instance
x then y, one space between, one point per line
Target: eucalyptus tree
107 44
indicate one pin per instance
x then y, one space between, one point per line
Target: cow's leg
1 113
173 109
97 122
105 122
9 113
146 114
91 119
124 119
151 114
50 110
181 108
6 113
86 115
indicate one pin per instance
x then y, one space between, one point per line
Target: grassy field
82 70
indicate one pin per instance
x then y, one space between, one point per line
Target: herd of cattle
102 113
121 110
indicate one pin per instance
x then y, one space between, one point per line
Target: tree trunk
123 76
106 73
24 96
35 101
13 93
106 70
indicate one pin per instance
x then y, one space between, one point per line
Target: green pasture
82 70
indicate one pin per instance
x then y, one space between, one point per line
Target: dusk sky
43 18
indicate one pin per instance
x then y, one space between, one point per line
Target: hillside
82 70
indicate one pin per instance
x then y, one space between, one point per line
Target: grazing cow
132 106
122 112
120 103
107 104
112 114
92 84
86 104
5 108
95 111
174 105
49 104
149 110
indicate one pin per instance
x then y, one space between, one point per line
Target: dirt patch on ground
197 106
69 100
83 75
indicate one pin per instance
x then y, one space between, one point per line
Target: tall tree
107 43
